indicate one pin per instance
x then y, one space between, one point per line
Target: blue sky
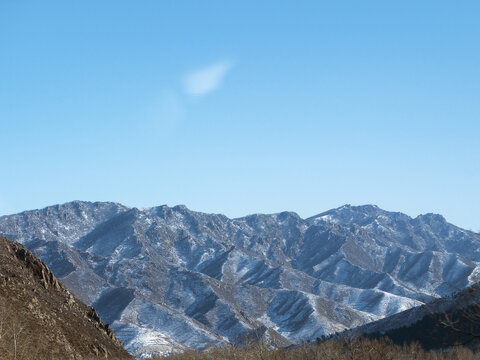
242 107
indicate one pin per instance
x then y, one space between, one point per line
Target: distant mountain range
170 278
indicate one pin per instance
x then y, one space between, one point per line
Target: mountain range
168 278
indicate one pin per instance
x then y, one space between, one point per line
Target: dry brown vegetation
16 341
40 319
351 349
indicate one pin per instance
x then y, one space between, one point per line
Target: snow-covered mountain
169 278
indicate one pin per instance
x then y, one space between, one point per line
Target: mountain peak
181 207
348 213
432 217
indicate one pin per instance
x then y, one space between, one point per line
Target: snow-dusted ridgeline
170 278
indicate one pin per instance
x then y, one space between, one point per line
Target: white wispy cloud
207 79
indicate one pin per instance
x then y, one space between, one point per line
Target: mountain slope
167 278
41 319
442 323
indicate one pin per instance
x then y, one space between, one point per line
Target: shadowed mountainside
443 323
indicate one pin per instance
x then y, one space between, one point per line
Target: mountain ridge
442 323
41 318
185 207
219 279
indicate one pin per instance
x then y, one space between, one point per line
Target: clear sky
244 106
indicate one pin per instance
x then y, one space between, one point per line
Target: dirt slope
41 319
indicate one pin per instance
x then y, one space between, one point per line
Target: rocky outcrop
41 319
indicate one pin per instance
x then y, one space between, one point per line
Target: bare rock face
41 319
168 278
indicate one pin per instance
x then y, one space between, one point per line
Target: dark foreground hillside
443 323
459 324
354 349
41 319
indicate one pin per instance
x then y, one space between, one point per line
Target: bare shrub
358 348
